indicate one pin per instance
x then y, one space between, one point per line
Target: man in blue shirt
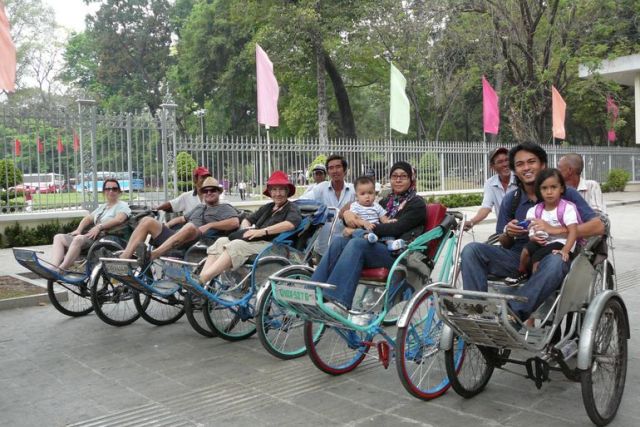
480 259
335 193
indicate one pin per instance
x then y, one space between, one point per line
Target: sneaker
142 255
516 280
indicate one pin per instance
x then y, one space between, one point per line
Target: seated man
204 220
189 199
571 166
480 259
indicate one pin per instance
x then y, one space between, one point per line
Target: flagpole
268 151
484 155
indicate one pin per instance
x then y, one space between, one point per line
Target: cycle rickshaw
227 305
337 344
581 331
69 291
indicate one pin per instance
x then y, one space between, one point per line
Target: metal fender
403 320
446 338
585 346
95 272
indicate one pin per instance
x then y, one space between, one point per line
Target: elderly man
495 188
335 193
189 199
479 259
319 173
206 220
571 167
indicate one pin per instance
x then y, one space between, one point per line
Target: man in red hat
189 199
503 182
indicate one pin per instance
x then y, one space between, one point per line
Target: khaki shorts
238 250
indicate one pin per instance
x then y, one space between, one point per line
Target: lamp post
200 113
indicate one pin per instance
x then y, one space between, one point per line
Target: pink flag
490 110
612 111
7 54
558 109
76 141
18 147
267 89
60 146
40 146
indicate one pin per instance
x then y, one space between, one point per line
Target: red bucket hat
279 178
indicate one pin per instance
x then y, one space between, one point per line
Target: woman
229 253
107 216
347 256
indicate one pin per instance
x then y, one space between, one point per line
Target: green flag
399 110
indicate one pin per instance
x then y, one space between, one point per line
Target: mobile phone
524 223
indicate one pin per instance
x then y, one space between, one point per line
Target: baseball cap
201 171
499 150
320 168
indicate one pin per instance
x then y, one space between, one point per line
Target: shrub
616 181
9 174
457 200
16 235
185 164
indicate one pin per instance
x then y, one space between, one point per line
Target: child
368 211
558 214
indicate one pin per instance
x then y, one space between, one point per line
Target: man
335 193
189 199
571 167
480 259
319 173
206 220
242 189
495 187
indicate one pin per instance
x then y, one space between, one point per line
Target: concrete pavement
57 371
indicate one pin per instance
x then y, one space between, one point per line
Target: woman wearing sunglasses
67 247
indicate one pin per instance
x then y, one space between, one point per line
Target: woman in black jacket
346 257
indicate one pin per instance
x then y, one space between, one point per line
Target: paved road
57 371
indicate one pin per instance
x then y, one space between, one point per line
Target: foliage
185 164
319 160
457 200
428 168
9 174
16 235
616 181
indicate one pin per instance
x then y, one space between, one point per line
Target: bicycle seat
375 274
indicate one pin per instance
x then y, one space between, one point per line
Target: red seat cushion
378 274
435 214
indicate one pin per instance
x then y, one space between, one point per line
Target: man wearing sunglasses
205 220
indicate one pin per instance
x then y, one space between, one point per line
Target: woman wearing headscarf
346 257
230 253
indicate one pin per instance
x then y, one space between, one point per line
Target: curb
26 301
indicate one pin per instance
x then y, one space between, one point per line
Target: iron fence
64 156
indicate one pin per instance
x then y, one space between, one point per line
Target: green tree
185 164
9 174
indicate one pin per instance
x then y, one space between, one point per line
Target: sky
70 13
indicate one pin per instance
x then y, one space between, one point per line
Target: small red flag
612 111
18 147
40 146
60 146
76 141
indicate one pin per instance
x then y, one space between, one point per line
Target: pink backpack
562 206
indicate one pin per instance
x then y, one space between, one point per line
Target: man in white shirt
335 193
495 187
571 167
319 173
189 199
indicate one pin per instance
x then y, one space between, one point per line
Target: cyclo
69 290
337 344
229 301
581 331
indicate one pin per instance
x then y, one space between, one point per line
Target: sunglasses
210 191
111 189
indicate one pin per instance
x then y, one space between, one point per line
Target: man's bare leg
147 226
185 234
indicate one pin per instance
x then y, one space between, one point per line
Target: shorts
537 252
238 250
163 236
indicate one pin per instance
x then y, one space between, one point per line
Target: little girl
556 212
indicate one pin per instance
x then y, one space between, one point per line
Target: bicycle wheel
112 300
399 301
160 310
336 350
193 306
68 299
472 376
603 383
281 331
419 361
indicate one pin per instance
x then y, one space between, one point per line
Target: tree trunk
323 133
342 98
